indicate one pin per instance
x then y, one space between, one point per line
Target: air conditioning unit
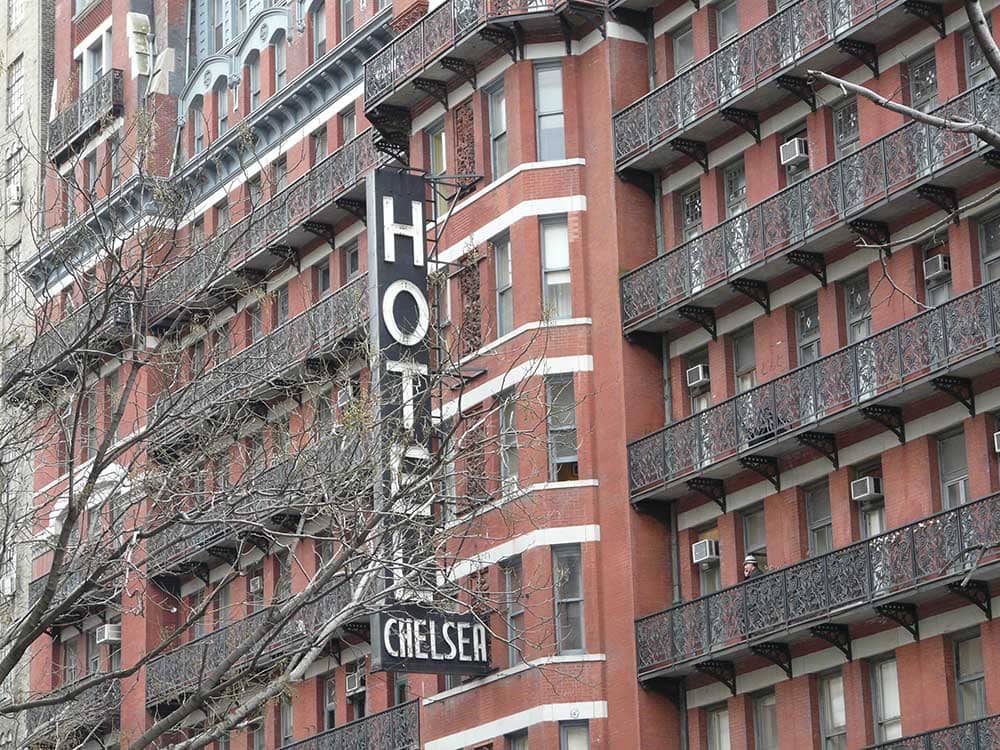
705 551
355 682
14 195
937 267
109 634
8 585
866 489
256 584
697 376
996 442
794 151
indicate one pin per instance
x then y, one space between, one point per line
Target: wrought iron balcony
396 728
102 100
940 349
172 674
313 203
73 575
751 74
981 734
842 586
96 706
879 183
452 37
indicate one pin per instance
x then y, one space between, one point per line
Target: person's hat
750 559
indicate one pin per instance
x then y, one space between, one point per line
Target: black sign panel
414 638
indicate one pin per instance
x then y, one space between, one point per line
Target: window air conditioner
355 682
697 376
7 585
705 551
865 489
937 267
109 634
996 442
794 151
256 584
14 194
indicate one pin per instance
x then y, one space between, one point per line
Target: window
498 130
348 125
954 470
567 577
818 519
888 725
197 129
322 278
253 73
93 652
755 536
561 402
549 111
346 18
114 149
872 511
71 661
280 174
400 689
765 725
222 215
285 720
329 702
280 64
437 148
356 698
241 16
505 289
859 308
352 260
15 89
222 108
281 305
989 241
971 683
700 395
683 45
221 602
218 24
90 174
977 70
690 214
718 728
557 300
255 324
735 177
15 13
222 343
255 193
807 331
709 574
319 147
513 576
257 736
319 31
517 741
94 63
846 133
795 172
744 360
574 735
508 442
923 82
833 714
255 576
727 23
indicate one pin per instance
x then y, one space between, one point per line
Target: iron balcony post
707 645
898 336
784 596
736 425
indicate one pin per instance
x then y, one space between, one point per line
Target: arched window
280 63
221 95
197 118
253 82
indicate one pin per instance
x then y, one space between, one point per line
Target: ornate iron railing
936 547
886 167
791 34
396 728
981 734
94 706
268 223
925 344
104 98
182 668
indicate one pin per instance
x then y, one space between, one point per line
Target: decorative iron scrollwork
776 653
720 670
713 489
836 635
703 316
903 614
959 389
976 592
890 417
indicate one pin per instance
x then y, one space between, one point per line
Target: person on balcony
750 567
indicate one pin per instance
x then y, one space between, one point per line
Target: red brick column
910 481
798 698
926 687
786 528
857 704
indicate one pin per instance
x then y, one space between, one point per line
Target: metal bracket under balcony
765 466
874 233
225 553
503 38
861 51
890 417
393 126
836 635
776 653
824 443
745 118
713 489
643 180
695 150
756 290
464 69
959 389
360 630
903 614
976 592
721 671
932 13
321 229
438 90
357 208
799 87
814 263
703 316
945 198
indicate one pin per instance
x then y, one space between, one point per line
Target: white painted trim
516 494
92 37
520 544
549 712
544 661
513 376
534 325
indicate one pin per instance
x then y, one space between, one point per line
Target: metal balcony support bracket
321 229
836 635
438 90
945 198
814 263
393 126
824 443
798 86
932 13
287 254
694 150
873 232
703 316
903 614
464 69
992 158
721 671
959 389
226 554
765 466
359 629
642 179
501 37
776 653
890 417
745 118
713 489
355 207
755 290
567 33
862 51
975 591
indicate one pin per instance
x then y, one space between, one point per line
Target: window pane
550 138
718 729
970 657
548 82
683 49
952 452
574 737
765 723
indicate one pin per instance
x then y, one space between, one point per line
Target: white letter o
423 313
